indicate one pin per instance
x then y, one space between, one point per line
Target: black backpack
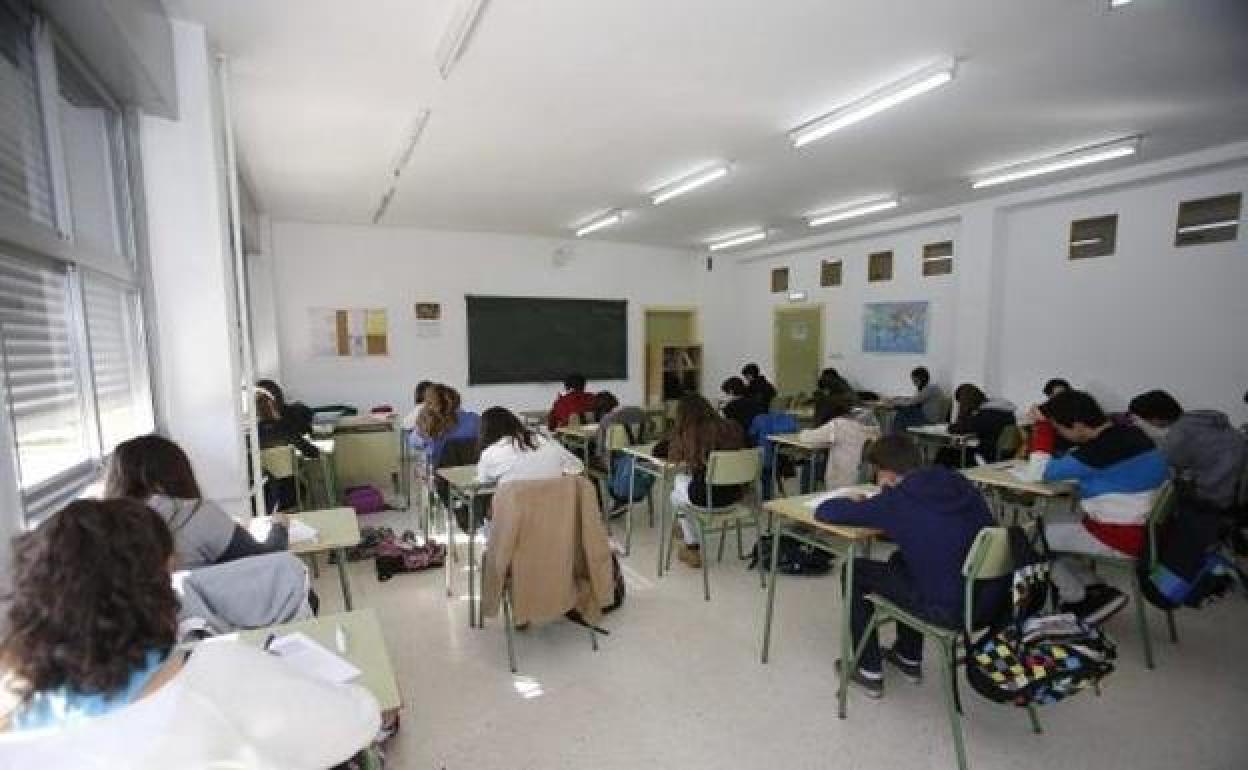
1187 570
795 558
1028 658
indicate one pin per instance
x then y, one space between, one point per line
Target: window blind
45 393
25 178
118 365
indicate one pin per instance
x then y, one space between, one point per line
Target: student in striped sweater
1119 471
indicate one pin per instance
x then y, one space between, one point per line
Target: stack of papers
305 654
843 492
302 533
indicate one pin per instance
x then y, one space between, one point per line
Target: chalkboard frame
482 337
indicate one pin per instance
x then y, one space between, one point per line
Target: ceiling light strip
851 210
411 139
1185 229
686 184
739 239
914 84
1060 162
457 34
604 221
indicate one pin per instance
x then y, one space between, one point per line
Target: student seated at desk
295 414
847 437
442 420
276 431
512 452
978 416
741 407
92 679
1119 471
933 514
572 401
757 387
1043 441
1202 445
608 412
418 399
925 407
698 431
831 387
156 472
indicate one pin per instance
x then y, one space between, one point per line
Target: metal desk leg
450 544
472 560
771 584
628 513
847 642
665 496
343 578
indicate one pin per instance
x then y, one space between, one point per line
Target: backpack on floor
1188 571
1028 658
795 558
365 499
622 475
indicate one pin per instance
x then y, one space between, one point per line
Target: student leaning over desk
91 677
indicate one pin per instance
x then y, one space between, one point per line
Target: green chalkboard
539 339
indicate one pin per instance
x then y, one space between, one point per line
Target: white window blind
25 179
118 362
45 395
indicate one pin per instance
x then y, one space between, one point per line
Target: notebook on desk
312 658
862 491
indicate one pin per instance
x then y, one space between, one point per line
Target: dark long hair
498 423
605 403
150 465
91 598
970 398
699 430
274 390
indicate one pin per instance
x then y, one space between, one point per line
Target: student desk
366 649
801 451
805 415
996 478
465 488
579 437
929 437
796 520
663 472
366 451
337 530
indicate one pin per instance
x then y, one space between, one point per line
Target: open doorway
798 347
673 353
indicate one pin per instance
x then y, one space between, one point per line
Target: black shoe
872 688
913 672
1100 603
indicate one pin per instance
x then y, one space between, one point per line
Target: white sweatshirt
847 437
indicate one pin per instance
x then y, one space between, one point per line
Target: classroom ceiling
561 109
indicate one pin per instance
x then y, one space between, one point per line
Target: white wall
328 266
1016 311
1149 316
751 326
183 177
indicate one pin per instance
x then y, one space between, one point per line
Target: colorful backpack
1029 658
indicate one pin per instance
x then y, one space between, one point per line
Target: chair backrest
618 436
278 461
866 471
735 466
988 558
656 425
1009 442
1164 504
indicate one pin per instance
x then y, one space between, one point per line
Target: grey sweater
1203 445
201 529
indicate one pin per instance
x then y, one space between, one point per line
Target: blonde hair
437 418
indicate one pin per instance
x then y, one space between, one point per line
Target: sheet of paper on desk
310 657
843 492
302 533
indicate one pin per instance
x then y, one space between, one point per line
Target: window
1209 220
1096 237
25 176
73 361
118 360
91 142
938 258
830 273
780 279
880 266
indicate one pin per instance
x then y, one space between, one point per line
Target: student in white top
512 452
847 437
91 677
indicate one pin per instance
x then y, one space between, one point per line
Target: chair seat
734 511
903 615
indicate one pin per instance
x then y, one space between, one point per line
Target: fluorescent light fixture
738 239
410 140
1059 162
606 220
1208 226
859 208
881 99
1119 3
1086 241
457 33
797 296
385 204
691 182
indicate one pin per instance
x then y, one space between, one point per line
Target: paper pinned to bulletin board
428 319
349 332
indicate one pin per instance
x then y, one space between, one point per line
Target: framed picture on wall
894 327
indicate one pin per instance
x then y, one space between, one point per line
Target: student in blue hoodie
933 515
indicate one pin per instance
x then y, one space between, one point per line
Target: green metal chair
1163 506
619 437
988 558
738 467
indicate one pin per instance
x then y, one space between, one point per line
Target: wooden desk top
582 432
325 445
942 432
366 648
335 527
795 509
998 475
462 477
795 440
645 452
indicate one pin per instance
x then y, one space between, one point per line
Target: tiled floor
678 684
